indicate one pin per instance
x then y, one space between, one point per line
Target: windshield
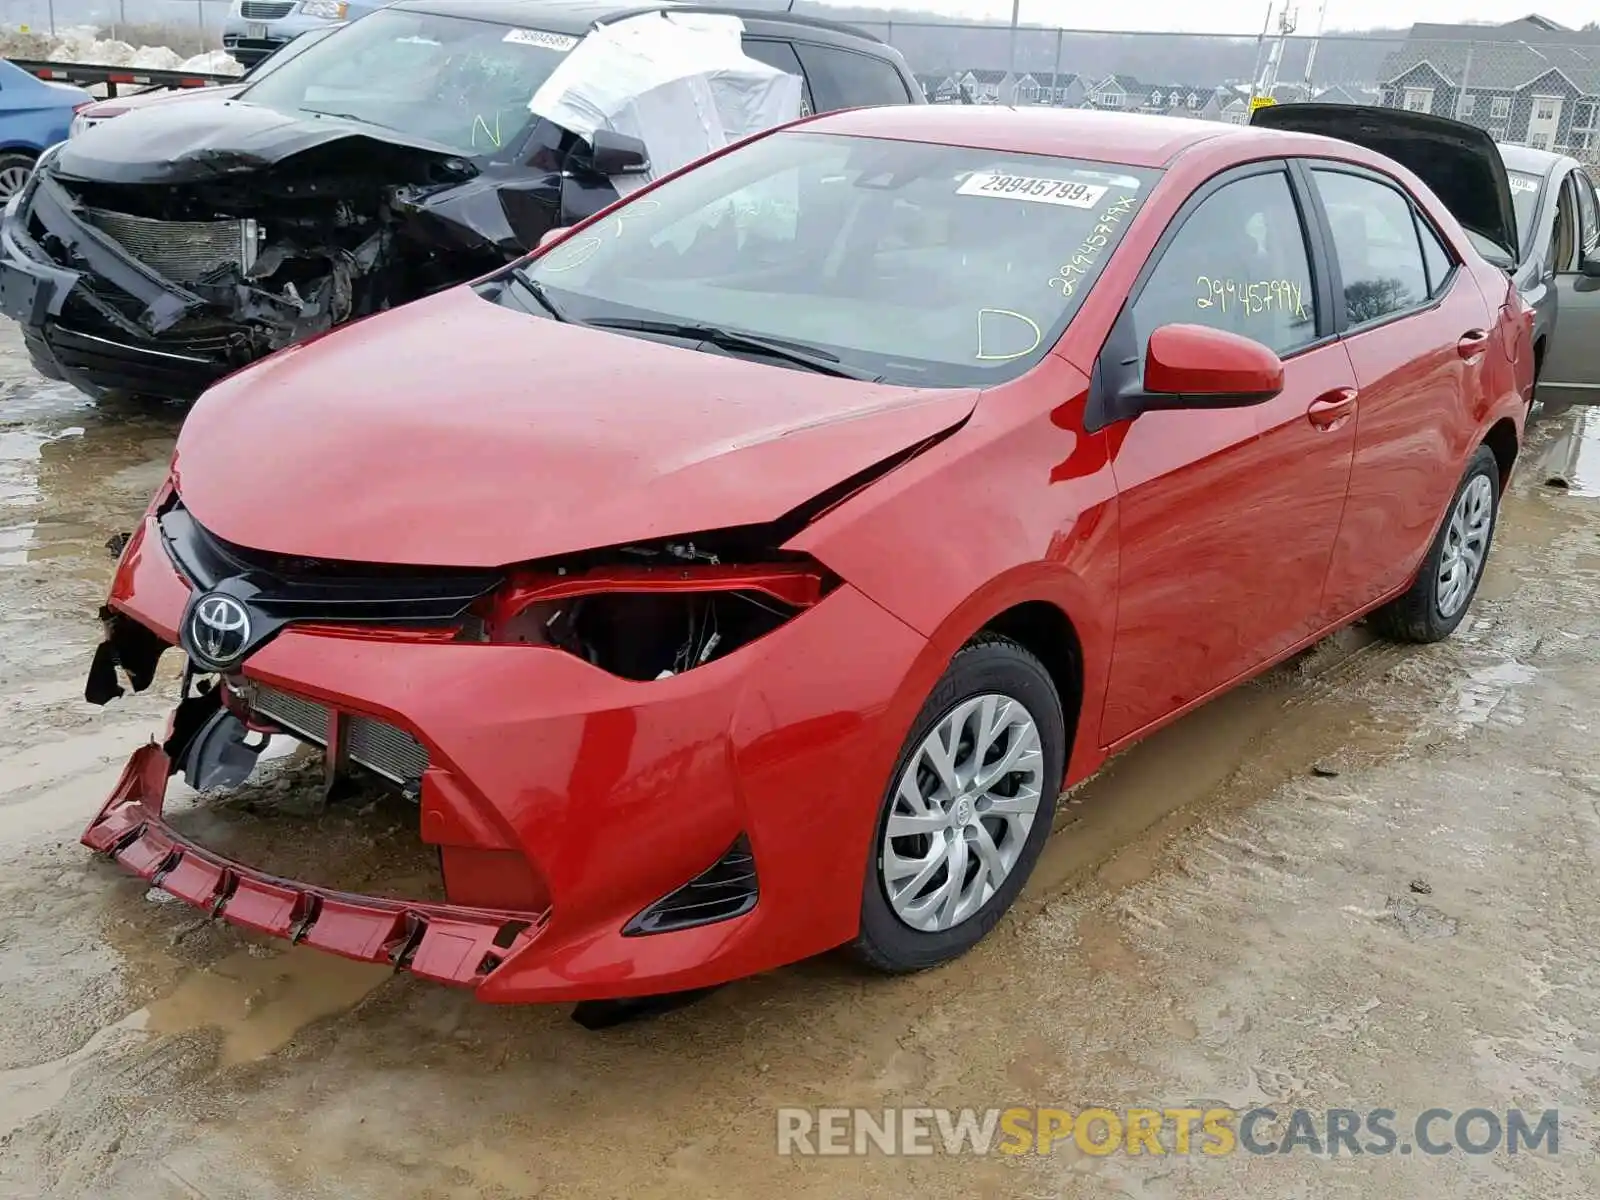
1525 190
451 80
931 266
285 53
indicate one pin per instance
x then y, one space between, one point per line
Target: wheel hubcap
1466 546
962 810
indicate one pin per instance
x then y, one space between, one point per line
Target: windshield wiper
813 358
344 116
536 289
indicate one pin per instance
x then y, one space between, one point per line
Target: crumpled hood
454 432
210 137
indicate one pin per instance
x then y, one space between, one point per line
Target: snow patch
82 44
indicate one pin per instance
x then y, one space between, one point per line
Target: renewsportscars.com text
1210 1132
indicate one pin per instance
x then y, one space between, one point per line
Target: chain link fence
1526 82
185 21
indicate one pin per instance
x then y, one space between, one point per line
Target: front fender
1017 506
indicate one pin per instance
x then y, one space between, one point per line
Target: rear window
931 266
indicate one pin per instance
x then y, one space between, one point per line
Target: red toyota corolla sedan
742 575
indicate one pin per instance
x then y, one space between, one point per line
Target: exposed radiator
376 745
182 251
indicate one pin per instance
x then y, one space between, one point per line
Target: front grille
374 744
183 251
265 10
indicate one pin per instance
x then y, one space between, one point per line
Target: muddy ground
1368 880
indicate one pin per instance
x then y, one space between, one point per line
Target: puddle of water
52 787
260 1003
1192 760
1571 463
1486 688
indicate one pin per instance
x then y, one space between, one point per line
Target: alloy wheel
1466 545
961 813
11 181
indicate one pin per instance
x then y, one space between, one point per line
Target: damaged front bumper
570 808
75 334
445 943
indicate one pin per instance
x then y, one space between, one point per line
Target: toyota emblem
219 629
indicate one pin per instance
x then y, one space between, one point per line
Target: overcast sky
1246 16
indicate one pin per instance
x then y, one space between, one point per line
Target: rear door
843 78
1418 331
1570 371
1228 516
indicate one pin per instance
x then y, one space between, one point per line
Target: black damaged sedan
397 157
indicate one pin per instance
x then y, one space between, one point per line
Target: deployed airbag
679 82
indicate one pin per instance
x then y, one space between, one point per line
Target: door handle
1472 343
1332 409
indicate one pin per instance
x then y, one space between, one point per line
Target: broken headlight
652 622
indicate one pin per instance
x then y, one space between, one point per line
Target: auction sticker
1521 183
1066 192
538 37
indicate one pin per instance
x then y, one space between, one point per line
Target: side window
1375 238
1563 234
1589 212
782 56
845 79
1434 256
1238 263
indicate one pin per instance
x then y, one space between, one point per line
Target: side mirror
617 154
550 235
1192 366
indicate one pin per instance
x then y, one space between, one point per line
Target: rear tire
973 794
1439 597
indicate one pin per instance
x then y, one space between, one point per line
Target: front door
1570 370
1228 516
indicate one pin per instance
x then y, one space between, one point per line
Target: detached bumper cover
444 943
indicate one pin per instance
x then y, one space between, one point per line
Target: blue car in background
34 113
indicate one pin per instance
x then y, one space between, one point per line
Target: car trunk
1459 162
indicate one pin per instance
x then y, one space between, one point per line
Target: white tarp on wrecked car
679 82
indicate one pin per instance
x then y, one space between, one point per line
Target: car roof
1529 160
579 16
1128 139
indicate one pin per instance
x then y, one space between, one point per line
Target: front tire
967 809
1439 597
